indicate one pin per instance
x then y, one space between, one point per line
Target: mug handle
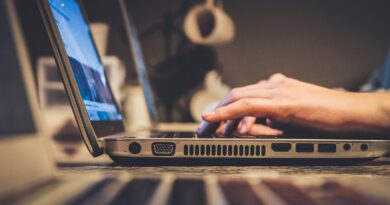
213 3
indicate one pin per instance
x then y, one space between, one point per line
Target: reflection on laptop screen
15 113
141 71
86 64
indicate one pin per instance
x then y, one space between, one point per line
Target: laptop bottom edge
145 161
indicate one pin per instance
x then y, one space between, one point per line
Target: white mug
100 34
208 24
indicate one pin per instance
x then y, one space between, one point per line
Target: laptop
28 175
101 122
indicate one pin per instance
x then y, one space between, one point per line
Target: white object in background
207 99
116 73
61 126
115 69
100 35
209 24
50 87
137 114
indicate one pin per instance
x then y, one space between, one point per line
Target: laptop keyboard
239 192
233 190
289 192
102 195
186 135
174 134
137 191
187 191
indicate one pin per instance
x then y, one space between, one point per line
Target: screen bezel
90 130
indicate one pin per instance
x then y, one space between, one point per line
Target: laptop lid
23 156
82 71
140 65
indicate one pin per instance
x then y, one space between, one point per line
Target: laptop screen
86 64
140 65
15 113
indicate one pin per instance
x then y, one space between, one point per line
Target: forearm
342 112
372 112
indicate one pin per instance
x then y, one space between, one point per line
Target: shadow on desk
157 162
150 162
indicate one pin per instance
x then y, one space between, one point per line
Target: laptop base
143 161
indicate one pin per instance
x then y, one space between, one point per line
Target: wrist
374 112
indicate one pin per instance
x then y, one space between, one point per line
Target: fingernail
279 133
207 115
243 129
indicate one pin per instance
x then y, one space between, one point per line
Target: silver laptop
28 175
101 122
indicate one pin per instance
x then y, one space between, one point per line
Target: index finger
207 129
242 108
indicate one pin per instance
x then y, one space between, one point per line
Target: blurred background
331 43
195 51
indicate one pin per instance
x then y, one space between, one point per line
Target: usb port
304 147
327 148
281 147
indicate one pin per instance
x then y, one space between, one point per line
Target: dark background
331 43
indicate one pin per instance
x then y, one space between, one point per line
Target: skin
287 102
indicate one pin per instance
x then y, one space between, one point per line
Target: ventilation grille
224 150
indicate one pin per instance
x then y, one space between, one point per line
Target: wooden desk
371 178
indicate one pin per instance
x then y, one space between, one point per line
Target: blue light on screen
86 64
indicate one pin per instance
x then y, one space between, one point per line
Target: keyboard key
188 192
156 134
289 192
184 135
137 192
344 195
103 193
239 192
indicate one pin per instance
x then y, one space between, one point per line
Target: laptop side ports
304 147
281 147
327 148
135 148
364 147
163 148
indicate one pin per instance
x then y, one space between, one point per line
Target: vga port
163 148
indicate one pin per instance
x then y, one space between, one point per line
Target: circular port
347 147
134 148
364 147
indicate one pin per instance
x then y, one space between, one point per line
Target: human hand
286 101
